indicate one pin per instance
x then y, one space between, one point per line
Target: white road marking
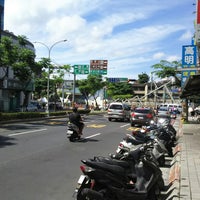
125 125
27 132
94 135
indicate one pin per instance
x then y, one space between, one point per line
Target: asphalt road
37 162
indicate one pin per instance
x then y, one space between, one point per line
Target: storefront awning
191 87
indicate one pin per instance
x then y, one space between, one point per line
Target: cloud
131 35
158 56
187 35
173 58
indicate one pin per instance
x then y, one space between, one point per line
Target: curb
175 169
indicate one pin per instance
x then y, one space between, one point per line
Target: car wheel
109 119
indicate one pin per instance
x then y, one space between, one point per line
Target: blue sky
131 35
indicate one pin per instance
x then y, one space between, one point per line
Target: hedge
31 115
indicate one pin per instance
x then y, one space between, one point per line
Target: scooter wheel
87 194
71 139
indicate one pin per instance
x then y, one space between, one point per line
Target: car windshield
116 106
163 109
145 111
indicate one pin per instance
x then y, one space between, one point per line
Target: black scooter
73 132
135 177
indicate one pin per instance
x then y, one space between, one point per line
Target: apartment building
12 91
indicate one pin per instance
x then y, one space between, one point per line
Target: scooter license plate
81 179
79 183
69 132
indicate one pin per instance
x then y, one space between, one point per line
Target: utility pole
74 90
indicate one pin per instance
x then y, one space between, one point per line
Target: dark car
141 116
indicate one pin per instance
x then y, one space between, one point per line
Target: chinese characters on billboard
189 61
98 67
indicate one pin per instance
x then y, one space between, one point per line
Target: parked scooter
137 176
167 136
166 133
131 142
73 132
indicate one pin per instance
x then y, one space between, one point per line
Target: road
37 162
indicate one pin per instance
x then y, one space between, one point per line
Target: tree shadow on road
6 141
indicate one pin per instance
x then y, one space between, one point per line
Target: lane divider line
94 135
27 132
124 125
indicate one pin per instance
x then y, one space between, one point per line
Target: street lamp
49 56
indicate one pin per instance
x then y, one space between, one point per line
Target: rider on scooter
76 119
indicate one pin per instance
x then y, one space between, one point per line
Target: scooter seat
133 140
104 166
120 163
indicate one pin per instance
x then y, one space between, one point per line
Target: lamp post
49 56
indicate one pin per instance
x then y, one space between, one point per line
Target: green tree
56 74
120 90
91 86
96 83
20 59
24 66
168 69
84 88
143 78
9 54
41 78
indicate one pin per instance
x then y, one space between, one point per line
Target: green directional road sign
98 72
81 69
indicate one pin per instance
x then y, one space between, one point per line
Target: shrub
31 115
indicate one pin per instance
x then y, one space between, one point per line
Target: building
1 14
155 93
11 89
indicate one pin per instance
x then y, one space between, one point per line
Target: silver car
118 111
163 112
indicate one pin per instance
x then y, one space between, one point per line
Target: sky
132 35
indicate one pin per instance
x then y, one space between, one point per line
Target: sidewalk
189 161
